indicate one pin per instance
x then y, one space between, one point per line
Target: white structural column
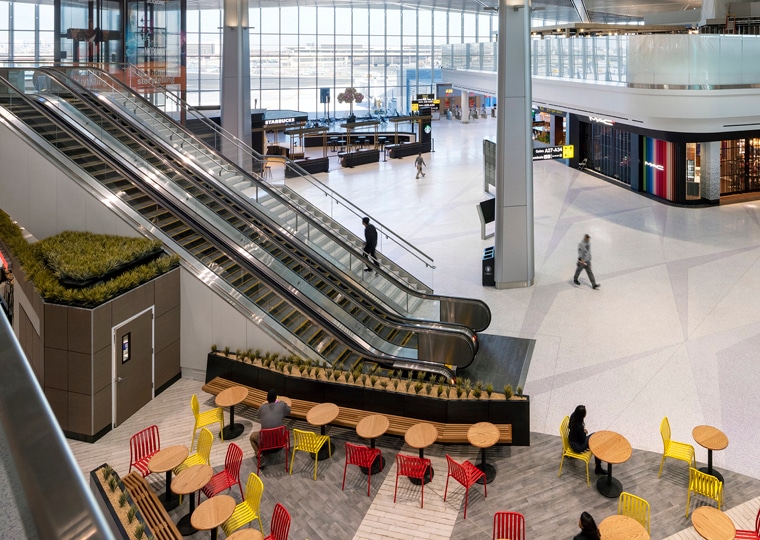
514 253
236 80
709 172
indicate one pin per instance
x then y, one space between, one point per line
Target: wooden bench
161 525
447 433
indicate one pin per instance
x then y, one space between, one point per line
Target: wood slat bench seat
447 433
161 525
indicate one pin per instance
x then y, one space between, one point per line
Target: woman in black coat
589 530
578 435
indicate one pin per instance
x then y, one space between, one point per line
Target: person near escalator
370 242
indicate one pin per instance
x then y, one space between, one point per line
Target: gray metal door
133 381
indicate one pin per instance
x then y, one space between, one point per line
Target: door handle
119 379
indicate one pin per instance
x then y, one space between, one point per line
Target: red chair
229 476
509 525
363 456
750 535
413 467
280 524
273 439
466 474
142 446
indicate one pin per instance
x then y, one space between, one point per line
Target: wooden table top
212 512
622 528
167 458
710 437
483 435
192 479
421 435
246 534
322 414
372 426
713 524
231 396
610 447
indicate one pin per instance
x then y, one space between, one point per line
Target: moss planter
451 411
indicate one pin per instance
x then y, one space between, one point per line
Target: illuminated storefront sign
654 165
600 120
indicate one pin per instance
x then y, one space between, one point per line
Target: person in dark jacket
370 242
578 435
589 530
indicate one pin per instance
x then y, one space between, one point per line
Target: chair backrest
254 489
305 440
205 440
509 525
456 470
233 460
273 438
195 406
144 443
280 523
634 507
357 454
411 466
564 431
705 484
665 432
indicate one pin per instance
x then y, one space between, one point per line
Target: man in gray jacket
584 262
271 415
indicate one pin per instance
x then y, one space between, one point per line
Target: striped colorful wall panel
659 168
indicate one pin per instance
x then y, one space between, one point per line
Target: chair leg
561 461
292 459
446 489
343 487
369 478
422 484
395 490
688 499
662 462
316 462
588 481
261 526
466 497
221 430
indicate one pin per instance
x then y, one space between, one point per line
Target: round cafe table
164 461
712 439
246 534
213 512
371 427
622 528
187 482
321 415
612 448
713 524
229 398
484 435
421 436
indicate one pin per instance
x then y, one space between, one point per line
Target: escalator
307 272
392 285
262 292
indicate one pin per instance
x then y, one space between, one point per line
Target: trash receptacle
488 267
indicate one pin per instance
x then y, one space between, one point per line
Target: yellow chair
674 449
202 454
307 441
704 484
564 430
205 418
248 510
634 507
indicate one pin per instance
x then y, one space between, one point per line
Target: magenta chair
142 446
229 476
363 456
466 474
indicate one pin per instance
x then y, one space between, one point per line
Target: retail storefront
668 165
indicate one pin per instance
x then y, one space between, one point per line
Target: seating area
298 492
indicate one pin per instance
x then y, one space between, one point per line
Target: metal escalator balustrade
472 313
188 236
395 338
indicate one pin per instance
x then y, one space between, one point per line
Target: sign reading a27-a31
554 152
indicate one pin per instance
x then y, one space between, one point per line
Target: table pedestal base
185 527
233 431
325 452
609 487
169 502
712 472
489 470
428 477
377 466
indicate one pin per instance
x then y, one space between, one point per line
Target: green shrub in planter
373 380
489 390
139 531
439 391
384 384
131 513
213 348
477 392
508 391
428 388
417 387
123 499
519 391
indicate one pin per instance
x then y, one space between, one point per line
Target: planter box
310 165
408 149
361 157
433 409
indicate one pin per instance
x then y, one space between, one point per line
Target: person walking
584 262
370 242
419 163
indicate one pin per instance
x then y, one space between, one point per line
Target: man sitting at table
271 415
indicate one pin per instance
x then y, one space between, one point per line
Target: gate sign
554 152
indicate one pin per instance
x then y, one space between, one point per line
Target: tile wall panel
79 330
56 369
80 372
